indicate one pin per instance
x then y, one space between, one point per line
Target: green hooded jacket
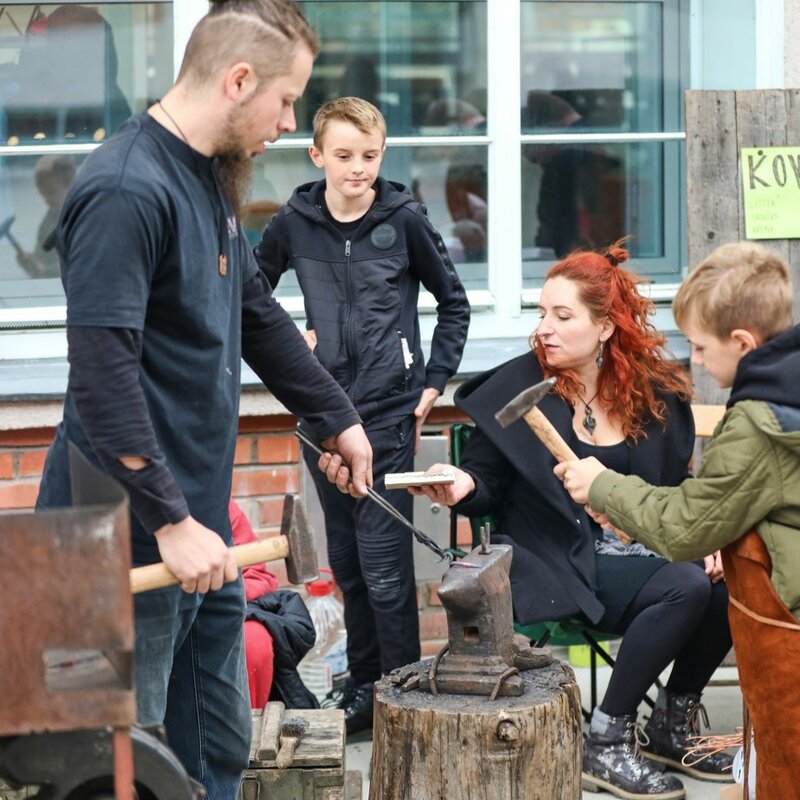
750 476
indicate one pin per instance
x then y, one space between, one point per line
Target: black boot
356 700
675 718
612 762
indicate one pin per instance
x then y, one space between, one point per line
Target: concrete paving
722 701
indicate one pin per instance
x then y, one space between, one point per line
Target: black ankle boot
612 762
675 718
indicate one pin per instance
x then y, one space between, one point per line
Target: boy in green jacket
736 310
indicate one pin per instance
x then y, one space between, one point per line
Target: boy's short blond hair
354 110
740 285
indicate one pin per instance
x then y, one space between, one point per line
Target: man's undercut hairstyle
740 285
354 110
264 33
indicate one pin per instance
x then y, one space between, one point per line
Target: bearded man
164 298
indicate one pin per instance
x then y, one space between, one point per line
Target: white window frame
503 311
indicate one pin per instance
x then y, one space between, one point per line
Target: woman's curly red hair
635 368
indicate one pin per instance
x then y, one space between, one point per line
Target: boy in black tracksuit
361 247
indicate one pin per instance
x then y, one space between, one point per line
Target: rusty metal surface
66 619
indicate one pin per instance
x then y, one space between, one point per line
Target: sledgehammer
295 544
525 405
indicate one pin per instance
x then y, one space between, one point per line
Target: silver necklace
172 120
222 259
589 422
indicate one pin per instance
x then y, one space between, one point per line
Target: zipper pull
347 248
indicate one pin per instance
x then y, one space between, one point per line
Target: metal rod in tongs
386 506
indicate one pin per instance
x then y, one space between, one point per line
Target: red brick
6 465
18 495
464 533
270 512
244 450
433 598
278 450
27 438
31 462
279 423
430 647
248 482
433 625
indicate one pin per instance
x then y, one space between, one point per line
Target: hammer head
5 226
301 563
523 402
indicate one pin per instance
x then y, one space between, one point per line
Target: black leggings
680 616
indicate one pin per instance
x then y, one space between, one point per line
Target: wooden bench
706 419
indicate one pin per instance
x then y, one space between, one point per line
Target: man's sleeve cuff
600 489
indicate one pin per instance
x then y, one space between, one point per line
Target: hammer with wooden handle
525 406
295 544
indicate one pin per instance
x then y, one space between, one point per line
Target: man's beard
235 166
235 171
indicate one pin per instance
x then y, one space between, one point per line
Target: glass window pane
69 74
590 195
74 73
592 66
451 181
422 63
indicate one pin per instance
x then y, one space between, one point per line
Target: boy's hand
578 476
311 339
446 493
713 567
196 556
426 401
348 463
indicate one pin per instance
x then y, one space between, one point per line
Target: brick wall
265 468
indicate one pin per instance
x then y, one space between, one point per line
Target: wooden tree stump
466 747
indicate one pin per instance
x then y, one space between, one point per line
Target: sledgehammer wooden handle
157 576
549 436
555 443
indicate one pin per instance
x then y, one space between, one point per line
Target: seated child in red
258 581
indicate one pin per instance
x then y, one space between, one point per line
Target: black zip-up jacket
361 294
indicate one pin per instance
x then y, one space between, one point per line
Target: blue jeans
190 675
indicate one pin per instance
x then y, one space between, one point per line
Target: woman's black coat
553 569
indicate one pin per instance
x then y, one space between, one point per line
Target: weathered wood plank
711 153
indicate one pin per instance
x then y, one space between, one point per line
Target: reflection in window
449 180
590 195
603 58
69 74
73 73
403 56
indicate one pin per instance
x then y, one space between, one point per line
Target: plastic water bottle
325 667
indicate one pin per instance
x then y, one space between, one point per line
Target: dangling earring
599 359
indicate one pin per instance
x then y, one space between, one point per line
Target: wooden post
718 124
467 747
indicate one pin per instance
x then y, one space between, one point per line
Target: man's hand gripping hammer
295 544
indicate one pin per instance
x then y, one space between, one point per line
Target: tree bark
465 747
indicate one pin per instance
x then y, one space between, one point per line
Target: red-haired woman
617 398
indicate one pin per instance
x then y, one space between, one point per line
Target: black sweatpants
371 557
678 615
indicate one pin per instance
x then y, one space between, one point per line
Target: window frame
504 306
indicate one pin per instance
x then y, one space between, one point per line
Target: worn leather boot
675 718
612 762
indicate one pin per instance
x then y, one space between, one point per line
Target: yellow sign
771 190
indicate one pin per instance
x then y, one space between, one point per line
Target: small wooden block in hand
402 480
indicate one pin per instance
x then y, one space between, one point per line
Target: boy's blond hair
740 285
354 110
